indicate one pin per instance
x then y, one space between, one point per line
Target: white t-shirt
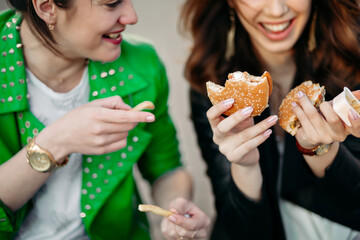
56 212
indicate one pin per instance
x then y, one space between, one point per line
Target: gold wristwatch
40 159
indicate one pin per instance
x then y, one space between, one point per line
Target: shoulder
6 15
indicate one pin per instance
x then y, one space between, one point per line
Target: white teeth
114 35
276 27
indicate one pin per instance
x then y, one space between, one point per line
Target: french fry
143 105
154 209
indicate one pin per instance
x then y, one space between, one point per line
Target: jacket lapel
13 92
102 174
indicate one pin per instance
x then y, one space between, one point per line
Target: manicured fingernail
172 218
272 119
300 94
150 118
246 111
267 133
354 114
228 102
294 104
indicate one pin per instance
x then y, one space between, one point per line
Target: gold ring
193 235
180 238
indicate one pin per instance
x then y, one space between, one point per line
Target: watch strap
318 150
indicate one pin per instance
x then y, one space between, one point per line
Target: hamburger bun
247 90
287 119
343 102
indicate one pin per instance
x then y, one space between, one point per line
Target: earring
312 37
230 41
51 26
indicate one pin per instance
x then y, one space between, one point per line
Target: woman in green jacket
69 140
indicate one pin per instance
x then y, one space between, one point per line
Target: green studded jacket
109 195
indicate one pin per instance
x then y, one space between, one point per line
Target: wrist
248 179
246 169
53 146
314 151
40 159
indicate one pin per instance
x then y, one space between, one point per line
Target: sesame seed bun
247 91
287 119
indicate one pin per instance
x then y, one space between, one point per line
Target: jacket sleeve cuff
345 171
10 221
241 201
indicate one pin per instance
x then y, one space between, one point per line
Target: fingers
355 123
354 119
110 107
114 102
236 146
192 223
307 111
322 127
357 94
99 129
121 116
187 219
231 122
335 123
189 234
214 113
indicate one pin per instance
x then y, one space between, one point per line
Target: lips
112 35
277 31
275 28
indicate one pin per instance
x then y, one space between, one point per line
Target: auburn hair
335 63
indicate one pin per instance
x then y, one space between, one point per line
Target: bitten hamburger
287 119
247 91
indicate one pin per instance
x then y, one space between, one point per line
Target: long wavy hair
335 63
36 24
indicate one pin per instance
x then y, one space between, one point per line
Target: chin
280 47
110 57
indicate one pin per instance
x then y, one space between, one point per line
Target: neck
281 66
58 73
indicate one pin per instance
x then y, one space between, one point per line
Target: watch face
39 161
323 149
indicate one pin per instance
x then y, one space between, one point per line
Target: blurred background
158 21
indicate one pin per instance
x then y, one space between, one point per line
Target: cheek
301 7
246 12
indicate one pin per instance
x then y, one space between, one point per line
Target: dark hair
36 24
335 63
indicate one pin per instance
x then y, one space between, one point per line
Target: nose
276 8
128 15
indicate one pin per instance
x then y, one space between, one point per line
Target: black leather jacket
336 196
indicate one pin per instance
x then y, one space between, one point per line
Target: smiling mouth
112 35
276 28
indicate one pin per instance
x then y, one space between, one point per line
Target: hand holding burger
304 113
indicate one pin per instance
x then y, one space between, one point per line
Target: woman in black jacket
264 187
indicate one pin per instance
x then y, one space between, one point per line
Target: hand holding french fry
183 220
